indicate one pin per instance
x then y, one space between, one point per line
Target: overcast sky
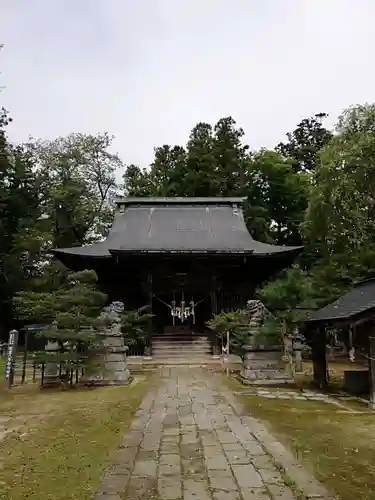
147 71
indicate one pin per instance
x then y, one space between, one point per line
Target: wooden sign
11 357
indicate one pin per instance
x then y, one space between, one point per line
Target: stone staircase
181 348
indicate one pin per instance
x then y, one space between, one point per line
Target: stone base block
264 377
264 367
107 378
51 382
106 382
266 382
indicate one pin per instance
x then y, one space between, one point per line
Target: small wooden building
353 311
188 258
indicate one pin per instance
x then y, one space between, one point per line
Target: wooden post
297 347
371 361
319 357
150 297
214 310
213 295
24 360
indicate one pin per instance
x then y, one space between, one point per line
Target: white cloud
148 71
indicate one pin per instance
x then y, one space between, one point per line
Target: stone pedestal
110 366
263 366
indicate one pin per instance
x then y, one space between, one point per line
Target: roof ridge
174 200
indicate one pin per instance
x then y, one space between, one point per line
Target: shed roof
355 302
179 225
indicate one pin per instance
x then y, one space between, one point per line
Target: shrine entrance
181 311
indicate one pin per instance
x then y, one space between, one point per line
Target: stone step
177 345
184 352
180 337
185 347
187 356
182 348
186 341
183 361
172 352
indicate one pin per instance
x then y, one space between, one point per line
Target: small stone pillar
51 368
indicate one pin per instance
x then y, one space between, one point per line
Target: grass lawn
64 439
337 446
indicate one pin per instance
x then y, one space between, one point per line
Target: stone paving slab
191 440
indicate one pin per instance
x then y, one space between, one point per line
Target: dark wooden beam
150 299
371 360
319 359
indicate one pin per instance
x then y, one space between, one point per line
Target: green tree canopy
277 198
79 183
19 212
70 311
305 142
340 219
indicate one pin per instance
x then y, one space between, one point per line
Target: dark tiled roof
359 299
96 250
174 226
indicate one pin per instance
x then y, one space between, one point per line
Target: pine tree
70 313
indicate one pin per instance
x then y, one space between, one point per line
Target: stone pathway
298 395
304 395
191 440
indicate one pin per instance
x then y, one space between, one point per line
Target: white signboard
11 356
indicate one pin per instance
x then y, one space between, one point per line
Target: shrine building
187 258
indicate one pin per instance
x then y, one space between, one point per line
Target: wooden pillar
371 361
213 295
214 310
319 357
150 298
